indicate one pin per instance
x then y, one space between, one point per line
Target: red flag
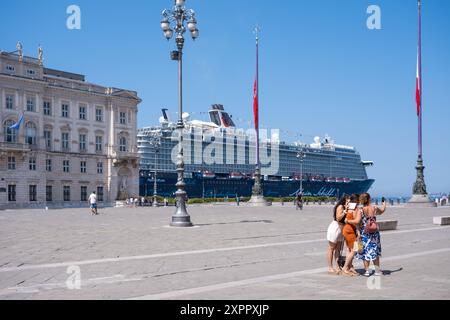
418 87
419 67
255 104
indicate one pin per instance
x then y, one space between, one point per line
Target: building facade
73 138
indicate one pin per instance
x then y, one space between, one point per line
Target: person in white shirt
93 203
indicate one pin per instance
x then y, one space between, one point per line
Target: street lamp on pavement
301 156
174 20
156 144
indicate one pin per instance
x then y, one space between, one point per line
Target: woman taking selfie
334 234
370 234
351 233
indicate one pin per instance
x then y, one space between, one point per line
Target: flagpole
420 80
257 198
258 163
420 196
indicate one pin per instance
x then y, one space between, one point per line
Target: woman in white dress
334 234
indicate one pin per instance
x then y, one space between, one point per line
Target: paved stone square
235 253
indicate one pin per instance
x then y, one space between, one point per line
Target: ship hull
221 188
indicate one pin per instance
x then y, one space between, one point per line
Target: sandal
347 273
332 272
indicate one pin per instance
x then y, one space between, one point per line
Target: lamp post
156 143
174 20
301 155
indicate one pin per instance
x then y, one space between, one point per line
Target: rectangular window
66 166
65 141
48 139
32 192
32 164
99 115
9 101
83 193
49 193
48 165
100 167
10 68
66 193
123 144
82 142
65 110
47 108
11 163
11 192
83 166
31 72
83 112
30 104
123 118
99 194
98 143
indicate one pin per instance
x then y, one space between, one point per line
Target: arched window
30 132
10 134
123 144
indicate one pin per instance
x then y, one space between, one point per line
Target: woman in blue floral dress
371 241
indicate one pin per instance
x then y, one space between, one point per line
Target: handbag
358 246
371 225
342 258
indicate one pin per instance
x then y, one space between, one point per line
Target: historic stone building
74 138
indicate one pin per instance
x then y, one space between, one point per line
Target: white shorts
334 233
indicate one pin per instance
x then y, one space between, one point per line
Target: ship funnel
164 112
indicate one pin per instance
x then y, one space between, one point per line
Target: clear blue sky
322 71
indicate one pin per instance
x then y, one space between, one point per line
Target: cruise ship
220 161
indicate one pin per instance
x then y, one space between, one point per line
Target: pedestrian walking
299 201
93 203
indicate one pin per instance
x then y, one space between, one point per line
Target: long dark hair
354 198
341 202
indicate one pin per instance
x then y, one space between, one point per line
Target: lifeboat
208 175
236 176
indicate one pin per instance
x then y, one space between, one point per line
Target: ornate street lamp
174 21
301 156
156 144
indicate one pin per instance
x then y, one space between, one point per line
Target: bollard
441 221
387 225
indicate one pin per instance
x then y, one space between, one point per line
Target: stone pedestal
420 196
258 201
420 200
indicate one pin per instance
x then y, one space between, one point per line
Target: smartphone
352 206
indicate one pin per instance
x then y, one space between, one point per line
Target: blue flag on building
16 126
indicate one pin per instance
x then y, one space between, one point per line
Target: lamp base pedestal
420 201
258 201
